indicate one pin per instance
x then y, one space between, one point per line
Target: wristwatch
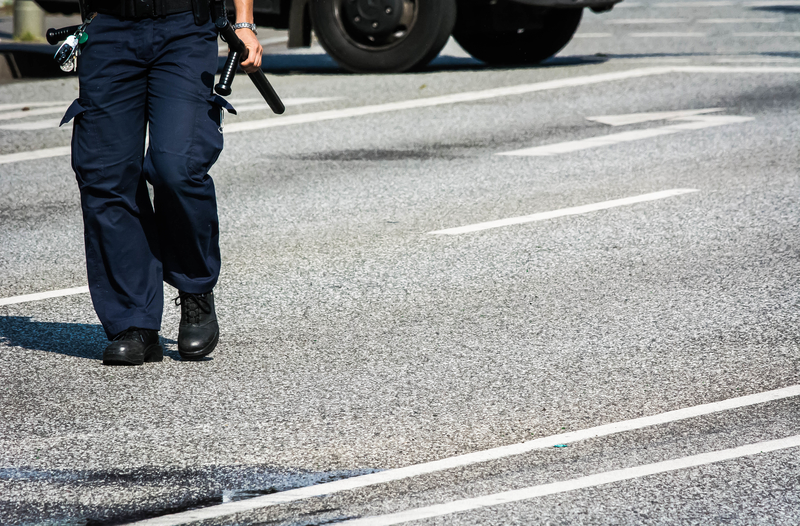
242 25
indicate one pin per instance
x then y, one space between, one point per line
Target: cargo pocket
78 107
207 140
84 161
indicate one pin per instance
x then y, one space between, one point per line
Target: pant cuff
192 286
112 329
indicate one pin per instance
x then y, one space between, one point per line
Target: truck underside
389 36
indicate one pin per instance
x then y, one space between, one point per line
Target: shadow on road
321 63
181 489
790 9
72 339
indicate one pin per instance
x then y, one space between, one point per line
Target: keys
68 52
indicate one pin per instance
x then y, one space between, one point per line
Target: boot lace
131 333
192 305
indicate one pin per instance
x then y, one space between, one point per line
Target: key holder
73 37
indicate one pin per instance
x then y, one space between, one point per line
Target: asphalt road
355 341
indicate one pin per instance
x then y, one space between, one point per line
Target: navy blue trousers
136 75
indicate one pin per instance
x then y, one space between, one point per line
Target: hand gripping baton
237 49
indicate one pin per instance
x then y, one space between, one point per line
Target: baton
237 49
54 36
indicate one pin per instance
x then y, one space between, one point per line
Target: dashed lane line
450 231
769 3
21 105
470 96
634 21
757 60
43 295
274 40
33 125
673 5
391 475
242 105
599 479
698 122
740 21
769 34
20 114
638 118
44 153
667 35
593 35
572 211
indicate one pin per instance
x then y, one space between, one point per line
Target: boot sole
205 351
153 353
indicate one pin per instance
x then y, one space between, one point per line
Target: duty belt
136 9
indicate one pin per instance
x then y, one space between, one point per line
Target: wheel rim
376 25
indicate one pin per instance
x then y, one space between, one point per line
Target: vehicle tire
390 37
547 32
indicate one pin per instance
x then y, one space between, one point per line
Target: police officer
149 66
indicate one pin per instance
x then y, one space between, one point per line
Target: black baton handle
237 49
54 36
228 71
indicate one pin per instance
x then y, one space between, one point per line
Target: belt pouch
201 9
142 8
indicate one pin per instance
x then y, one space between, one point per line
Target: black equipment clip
236 50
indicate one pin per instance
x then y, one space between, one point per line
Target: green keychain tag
84 37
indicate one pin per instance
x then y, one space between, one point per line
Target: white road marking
575 210
756 60
569 82
667 35
34 154
274 40
260 105
593 35
740 21
636 118
31 113
735 69
590 481
43 295
288 102
692 123
469 459
469 96
771 34
721 3
650 60
630 21
768 3
20 105
34 125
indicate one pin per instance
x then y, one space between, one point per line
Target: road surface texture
564 294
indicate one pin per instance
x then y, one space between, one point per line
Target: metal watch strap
242 25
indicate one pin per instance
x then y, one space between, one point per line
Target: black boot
133 346
199 332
